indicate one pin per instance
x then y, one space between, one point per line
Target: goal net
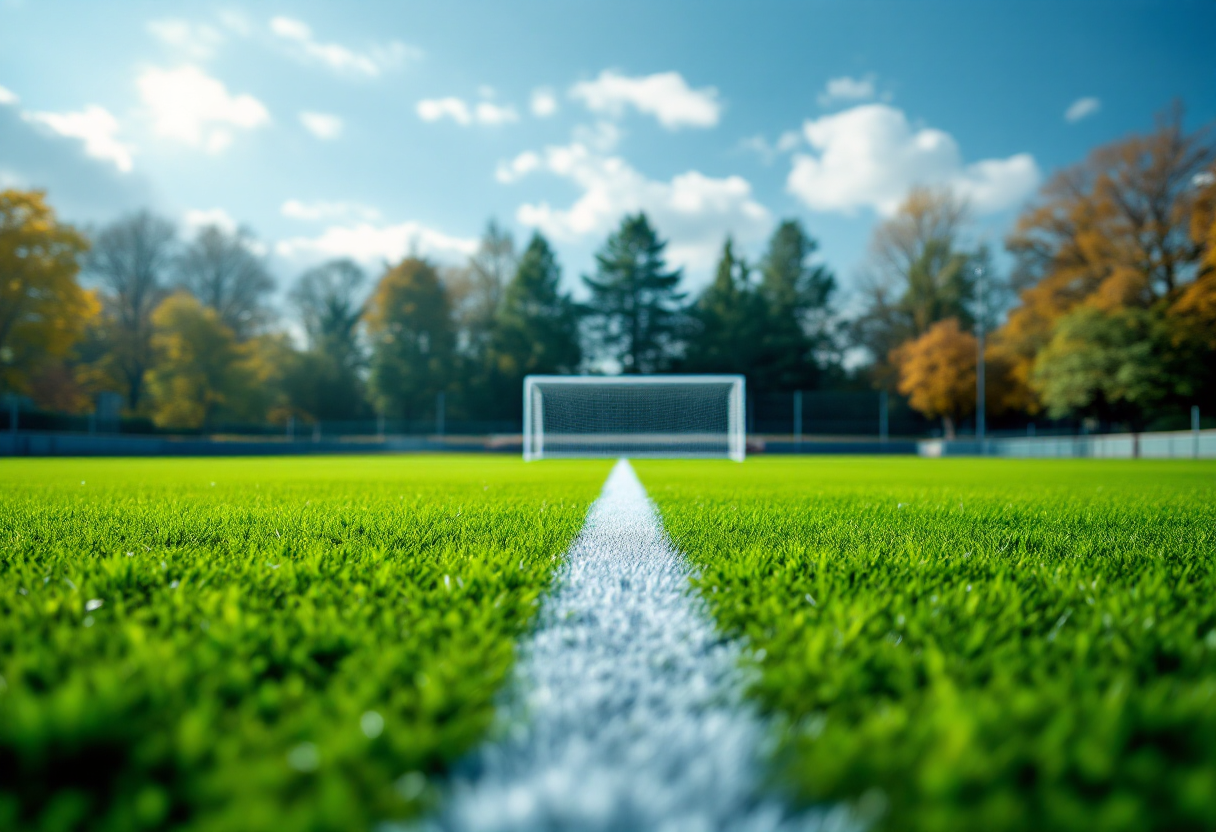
633 416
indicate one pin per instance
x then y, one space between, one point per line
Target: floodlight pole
982 310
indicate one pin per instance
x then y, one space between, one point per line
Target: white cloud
1082 108
369 243
484 112
544 102
433 109
490 113
869 156
94 126
664 95
759 145
322 210
191 107
846 88
199 218
694 210
369 63
520 166
7 96
195 40
322 125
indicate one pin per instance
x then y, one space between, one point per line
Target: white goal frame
735 435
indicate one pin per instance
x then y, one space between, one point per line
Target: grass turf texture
258 644
992 645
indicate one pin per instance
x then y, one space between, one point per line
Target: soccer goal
634 416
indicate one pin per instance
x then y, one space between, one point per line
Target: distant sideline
1197 444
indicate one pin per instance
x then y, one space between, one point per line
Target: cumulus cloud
197 41
191 107
199 218
696 211
846 88
322 210
870 155
1082 108
368 63
82 188
664 95
544 102
464 114
371 243
322 125
520 166
94 126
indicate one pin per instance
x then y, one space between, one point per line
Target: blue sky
370 129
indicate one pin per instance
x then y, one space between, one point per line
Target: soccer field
311 644
973 644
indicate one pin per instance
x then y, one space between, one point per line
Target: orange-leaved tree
937 372
1112 233
43 309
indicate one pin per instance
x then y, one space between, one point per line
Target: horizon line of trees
1109 312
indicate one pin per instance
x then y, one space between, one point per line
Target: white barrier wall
1181 444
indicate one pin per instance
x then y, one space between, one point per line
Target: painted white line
627 709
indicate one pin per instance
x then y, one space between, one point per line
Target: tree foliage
222 270
131 260
1117 231
919 274
199 372
726 321
634 309
412 338
43 309
937 372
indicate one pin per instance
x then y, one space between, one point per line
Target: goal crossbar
658 416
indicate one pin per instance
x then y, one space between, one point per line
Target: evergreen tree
796 295
634 308
726 322
537 328
413 342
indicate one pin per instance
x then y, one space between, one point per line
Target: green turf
256 620
973 645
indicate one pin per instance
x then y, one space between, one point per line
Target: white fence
1181 444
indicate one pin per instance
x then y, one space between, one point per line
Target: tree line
1108 313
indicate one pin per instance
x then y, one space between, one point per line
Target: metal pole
883 426
439 408
980 415
1195 431
380 426
798 416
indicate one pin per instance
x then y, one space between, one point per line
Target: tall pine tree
796 294
536 329
727 320
634 310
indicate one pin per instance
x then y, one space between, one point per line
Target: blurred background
300 219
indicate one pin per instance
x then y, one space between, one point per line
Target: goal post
673 416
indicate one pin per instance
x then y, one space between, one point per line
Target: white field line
627 709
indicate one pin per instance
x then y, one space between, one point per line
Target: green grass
995 645
275 645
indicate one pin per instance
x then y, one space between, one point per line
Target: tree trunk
948 426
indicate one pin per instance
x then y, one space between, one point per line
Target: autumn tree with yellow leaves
43 309
1117 248
937 372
